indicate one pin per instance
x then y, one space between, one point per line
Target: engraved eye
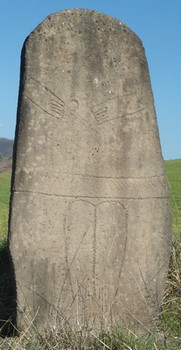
73 105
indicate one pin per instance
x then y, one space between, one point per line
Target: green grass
5 180
173 172
168 333
89 340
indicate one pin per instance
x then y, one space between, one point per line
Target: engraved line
115 177
141 291
94 251
124 254
57 108
105 120
121 116
100 113
57 111
73 112
44 110
104 201
112 242
57 104
121 268
60 112
88 197
66 257
161 184
46 89
60 108
73 258
118 185
149 293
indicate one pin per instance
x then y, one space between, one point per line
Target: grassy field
173 172
5 179
168 333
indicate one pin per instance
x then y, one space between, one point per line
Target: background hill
5 164
6 147
6 151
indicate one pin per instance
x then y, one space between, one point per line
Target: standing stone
90 224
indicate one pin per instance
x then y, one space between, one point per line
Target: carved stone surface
90 223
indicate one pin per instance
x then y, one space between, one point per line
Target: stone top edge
80 12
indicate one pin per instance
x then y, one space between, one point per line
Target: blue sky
156 22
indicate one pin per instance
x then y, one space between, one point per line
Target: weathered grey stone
90 224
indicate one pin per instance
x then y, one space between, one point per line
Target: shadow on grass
7 293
